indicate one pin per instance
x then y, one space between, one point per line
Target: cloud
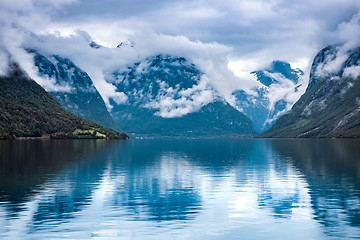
274 95
346 36
253 29
225 39
119 97
49 84
348 32
209 58
333 62
4 61
286 90
352 72
189 100
18 19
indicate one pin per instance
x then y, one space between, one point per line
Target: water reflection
332 170
53 176
180 189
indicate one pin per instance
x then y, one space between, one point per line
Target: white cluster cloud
347 36
284 89
119 98
332 63
348 32
18 20
190 100
352 72
209 58
50 85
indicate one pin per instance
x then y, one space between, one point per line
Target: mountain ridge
167 95
260 106
72 88
27 110
331 105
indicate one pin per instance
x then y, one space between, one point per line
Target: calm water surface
180 189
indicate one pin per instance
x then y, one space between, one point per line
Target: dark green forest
27 110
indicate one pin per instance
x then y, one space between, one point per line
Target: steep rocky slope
331 105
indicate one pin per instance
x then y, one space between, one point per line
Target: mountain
330 106
27 110
166 95
126 44
95 45
324 58
268 101
72 88
268 76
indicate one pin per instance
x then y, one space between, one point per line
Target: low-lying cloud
190 100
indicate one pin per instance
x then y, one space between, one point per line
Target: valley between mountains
169 96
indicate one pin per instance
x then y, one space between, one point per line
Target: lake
180 189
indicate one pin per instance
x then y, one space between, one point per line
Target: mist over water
180 189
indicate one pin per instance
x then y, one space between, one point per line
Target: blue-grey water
180 189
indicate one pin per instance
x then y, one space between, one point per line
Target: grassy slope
27 110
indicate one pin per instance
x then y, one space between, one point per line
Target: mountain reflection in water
332 171
180 189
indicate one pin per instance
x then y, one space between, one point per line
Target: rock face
72 88
270 99
27 110
323 58
330 106
168 96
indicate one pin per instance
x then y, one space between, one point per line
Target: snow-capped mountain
167 95
271 99
72 88
330 106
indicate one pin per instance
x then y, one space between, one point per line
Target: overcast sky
293 29
226 39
